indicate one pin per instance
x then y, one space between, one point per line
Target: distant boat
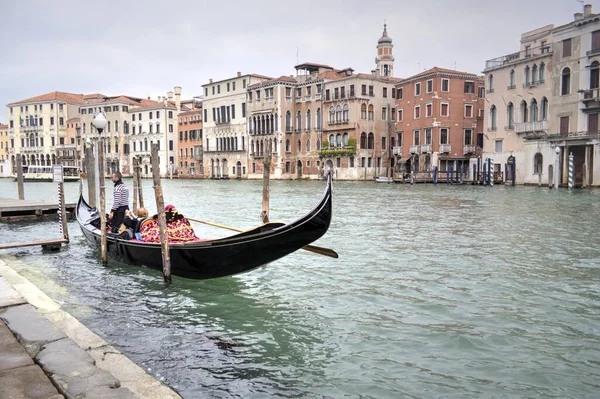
383 179
33 173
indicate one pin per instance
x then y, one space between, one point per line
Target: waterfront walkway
46 353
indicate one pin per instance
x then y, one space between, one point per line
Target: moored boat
219 257
34 173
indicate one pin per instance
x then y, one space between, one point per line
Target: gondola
219 257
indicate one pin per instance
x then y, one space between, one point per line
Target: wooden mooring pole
264 215
64 230
20 177
135 187
90 161
139 184
103 248
160 206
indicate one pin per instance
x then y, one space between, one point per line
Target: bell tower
385 58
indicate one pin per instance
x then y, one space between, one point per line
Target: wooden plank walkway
44 243
12 210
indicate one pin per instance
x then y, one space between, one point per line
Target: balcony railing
518 56
590 95
31 149
592 52
426 148
445 148
468 149
526 127
31 128
397 150
318 96
575 135
414 149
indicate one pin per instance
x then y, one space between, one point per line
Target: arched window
490 83
108 127
345 139
318 144
371 141
510 115
524 111
287 145
31 140
338 140
299 121
542 73
117 126
527 76
363 140
594 75
338 113
565 82
534 110
371 113
493 121
544 109
346 113
534 74
319 119
288 121
331 141
331 114
308 145
538 164
511 79
299 146
363 111
308 120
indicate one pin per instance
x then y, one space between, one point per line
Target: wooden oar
312 248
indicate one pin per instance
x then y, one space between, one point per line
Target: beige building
5 167
517 108
224 125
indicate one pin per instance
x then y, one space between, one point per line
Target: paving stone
31 329
75 372
12 354
8 295
27 382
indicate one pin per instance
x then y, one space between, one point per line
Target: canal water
440 291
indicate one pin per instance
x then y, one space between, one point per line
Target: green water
439 291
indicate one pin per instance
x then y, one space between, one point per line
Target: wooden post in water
20 177
135 187
139 184
91 175
103 249
264 215
63 211
160 206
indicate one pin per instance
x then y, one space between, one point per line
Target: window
595 42
363 140
243 110
371 93
538 163
445 85
399 139
444 135
363 111
383 113
544 109
429 86
299 121
428 136
416 137
490 82
364 90
371 113
594 75
429 110
524 111
511 79
417 89
469 87
352 94
566 48
565 82
400 93
417 112
308 120
482 92
493 124
331 114
526 77
385 92
528 51
371 141
468 110
232 86
444 109
534 110
498 145
288 121
564 126
468 136
345 113
592 124
400 115
510 116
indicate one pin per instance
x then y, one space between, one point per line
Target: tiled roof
93 96
3 126
435 70
68 98
313 65
149 104
196 111
73 120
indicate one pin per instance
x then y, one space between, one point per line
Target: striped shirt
121 196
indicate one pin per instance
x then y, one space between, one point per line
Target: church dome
385 39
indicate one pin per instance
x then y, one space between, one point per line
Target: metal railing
518 56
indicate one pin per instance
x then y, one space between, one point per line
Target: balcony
426 149
397 150
468 149
528 127
27 129
318 96
593 52
518 56
445 148
221 123
307 98
31 149
11 151
414 149
590 99
571 136
298 100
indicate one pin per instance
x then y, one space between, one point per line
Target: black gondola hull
222 257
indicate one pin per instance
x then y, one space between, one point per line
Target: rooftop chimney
240 74
209 80
177 90
577 16
170 94
587 10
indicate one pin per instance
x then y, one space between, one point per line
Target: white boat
383 179
33 173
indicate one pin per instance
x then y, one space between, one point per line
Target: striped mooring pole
571 171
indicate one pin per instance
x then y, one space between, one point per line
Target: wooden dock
46 244
15 210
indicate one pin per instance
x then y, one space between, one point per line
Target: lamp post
100 123
557 167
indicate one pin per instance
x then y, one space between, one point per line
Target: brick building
189 144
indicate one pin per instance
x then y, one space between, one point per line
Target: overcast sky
145 47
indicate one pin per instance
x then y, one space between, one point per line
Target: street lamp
557 167
100 123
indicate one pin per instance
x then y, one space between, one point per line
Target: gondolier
120 203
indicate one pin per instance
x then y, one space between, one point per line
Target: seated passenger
178 228
132 222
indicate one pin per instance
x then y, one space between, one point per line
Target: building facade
189 144
224 126
438 122
68 147
5 166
